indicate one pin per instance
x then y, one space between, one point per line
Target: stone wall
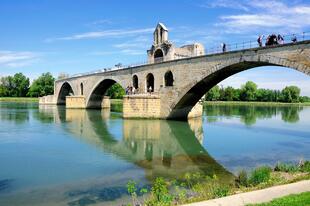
141 106
49 99
75 102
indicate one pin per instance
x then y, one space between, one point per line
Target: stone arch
96 95
65 90
158 55
150 82
194 91
168 79
135 81
82 88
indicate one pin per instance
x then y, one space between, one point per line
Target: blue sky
76 36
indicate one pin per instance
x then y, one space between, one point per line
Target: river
53 156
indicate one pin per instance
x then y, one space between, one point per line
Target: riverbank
197 189
264 195
19 99
255 103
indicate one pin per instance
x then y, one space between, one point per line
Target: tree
290 94
116 91
20 85
213 94
229 94
248 91
42 86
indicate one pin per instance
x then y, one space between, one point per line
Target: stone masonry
178 84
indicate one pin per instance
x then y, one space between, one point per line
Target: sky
75 36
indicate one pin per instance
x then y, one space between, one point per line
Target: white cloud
103 34
225 4
17 59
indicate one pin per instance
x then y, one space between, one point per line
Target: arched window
135 81
82 89
158 55
150 83
168 79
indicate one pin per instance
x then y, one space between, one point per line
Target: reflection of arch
65 90
158 55
150 82
135 81
194 91
82 89
168 79
97 94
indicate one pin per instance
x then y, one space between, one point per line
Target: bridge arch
95 97
168 79
135 81
82 88
65 90
194 91
150 82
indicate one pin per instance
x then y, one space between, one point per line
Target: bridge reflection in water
161 148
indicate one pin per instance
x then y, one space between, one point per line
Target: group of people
274 39
130 90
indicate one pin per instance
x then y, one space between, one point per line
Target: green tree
116 91
42 86
20 85
248 91
290 94
229 94
213 94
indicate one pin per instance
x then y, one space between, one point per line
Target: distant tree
116 91
229 94
248 91
290 94
20 85
62 75
213 94
42 86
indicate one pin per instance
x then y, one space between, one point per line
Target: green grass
19 99
255 103
302 199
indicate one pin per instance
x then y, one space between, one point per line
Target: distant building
163 50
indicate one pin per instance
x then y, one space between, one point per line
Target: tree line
19 86
250 92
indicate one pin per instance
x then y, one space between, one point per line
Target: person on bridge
223 47
150 89
294 38
280 39
260 40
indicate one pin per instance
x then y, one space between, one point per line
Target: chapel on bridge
163 49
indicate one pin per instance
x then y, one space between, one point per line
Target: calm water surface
53 156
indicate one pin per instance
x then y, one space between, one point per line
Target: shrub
260 175
305 166
282 167
220 191
242 178
160 193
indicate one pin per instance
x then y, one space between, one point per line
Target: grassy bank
255 103
302 199
19 99
199 187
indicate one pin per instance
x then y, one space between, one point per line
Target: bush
220 191
282 167
242 178
260 175
305 166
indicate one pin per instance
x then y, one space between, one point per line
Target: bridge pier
75 102
148 106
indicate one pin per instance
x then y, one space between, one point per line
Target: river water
53 156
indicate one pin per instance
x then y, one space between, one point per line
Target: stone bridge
177 85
